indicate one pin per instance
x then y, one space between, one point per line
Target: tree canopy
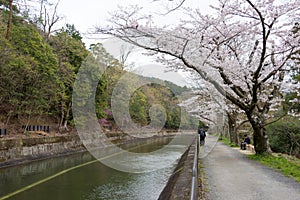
37 76
245 49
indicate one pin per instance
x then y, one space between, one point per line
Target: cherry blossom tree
205 102
208 105
245 49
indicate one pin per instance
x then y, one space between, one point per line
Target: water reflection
93 181
13 178
132 186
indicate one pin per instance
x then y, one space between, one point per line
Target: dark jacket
247 140
202 134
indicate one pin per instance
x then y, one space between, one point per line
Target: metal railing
194 187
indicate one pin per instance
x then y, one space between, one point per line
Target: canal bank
22 150
15 151
26 150
179 184
78 176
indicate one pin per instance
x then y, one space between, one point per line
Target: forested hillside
38 70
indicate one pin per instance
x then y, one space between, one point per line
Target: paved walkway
231 176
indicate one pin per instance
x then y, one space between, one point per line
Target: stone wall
20 150
13 150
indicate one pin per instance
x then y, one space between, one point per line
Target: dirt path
231 176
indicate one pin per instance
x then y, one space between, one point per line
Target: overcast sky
89 13
85 15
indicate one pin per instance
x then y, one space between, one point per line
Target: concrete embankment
179 184
18 150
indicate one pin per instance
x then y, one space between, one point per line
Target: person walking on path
231 175
202 136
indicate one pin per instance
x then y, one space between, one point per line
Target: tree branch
175 8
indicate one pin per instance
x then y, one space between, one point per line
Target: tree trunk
62 116
235 136
231 131
65 113
260 138
233 128
9 20
66 125
67 117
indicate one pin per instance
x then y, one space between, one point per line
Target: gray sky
85 15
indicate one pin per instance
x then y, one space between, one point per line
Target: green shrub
284 136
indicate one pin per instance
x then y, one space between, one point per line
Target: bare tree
48 17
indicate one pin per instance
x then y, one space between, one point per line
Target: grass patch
202 181
227 142
288 167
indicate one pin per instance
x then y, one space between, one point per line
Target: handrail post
194 185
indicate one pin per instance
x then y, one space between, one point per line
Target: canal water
80 176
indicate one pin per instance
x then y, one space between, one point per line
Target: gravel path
231 176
